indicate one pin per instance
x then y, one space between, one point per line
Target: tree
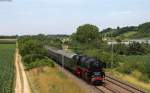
120 49
136 48
27 45
145 28
86 33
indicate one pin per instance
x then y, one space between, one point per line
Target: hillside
129 32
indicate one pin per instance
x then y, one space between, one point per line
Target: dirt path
18 87
22 85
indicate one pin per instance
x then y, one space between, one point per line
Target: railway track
116 86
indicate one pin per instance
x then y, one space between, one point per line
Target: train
89 69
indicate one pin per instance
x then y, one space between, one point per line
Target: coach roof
62 52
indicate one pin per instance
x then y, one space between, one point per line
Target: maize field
7 52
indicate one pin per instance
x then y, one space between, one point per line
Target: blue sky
64 16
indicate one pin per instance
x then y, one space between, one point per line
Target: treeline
141 31
133 48
109 32
8 37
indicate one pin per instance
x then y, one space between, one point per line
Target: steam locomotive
87 68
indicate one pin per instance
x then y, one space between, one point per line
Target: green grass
6 67
127 35
138 58
7 46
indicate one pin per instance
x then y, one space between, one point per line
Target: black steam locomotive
89 69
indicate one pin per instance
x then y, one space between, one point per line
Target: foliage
33 51
86 33
134 48
109 32
30 46
138 62
143 31
144 78
6 67
31 58
125 30
32 61
144 27
136 32
121 49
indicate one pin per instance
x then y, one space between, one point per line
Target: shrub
126 69
31 58
40 63
144 78
36 60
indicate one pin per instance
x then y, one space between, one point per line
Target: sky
24 17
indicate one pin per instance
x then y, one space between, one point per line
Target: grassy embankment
136 77
6 67
51 80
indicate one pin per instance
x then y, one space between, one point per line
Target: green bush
139 62
40 63
31 58
126 69
144 78
35 60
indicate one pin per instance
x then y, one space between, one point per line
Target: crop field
6 67
7 41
